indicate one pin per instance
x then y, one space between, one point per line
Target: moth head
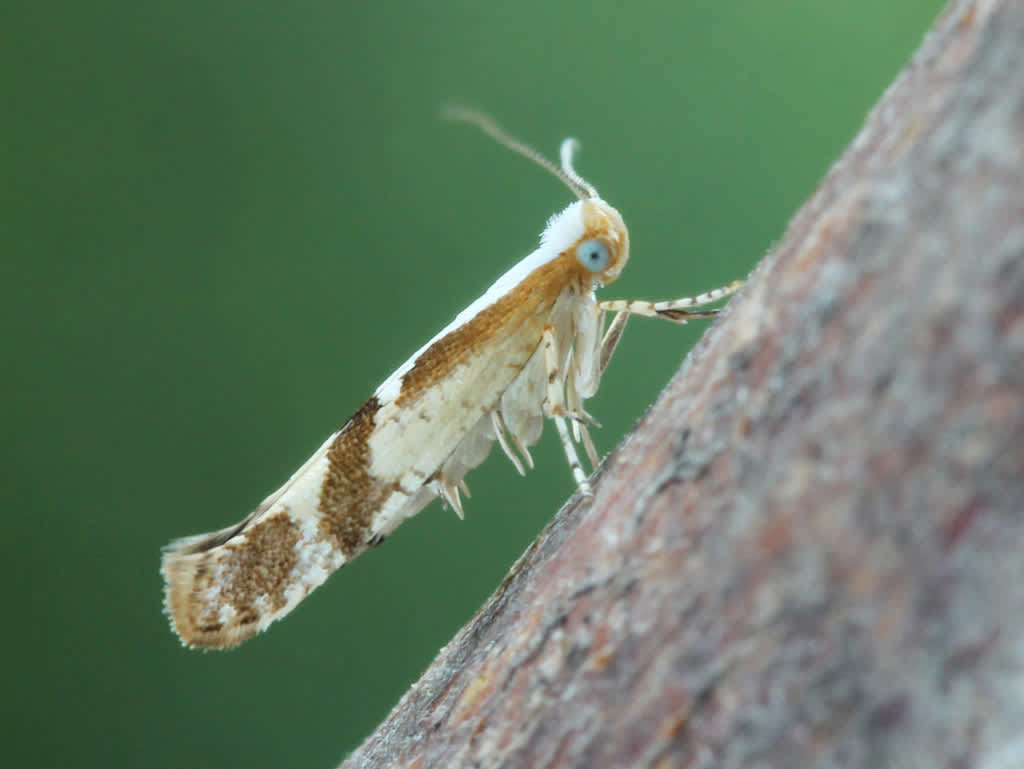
603 250
590 232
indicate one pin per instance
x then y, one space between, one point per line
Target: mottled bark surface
811 551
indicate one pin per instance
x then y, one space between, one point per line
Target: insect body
534 346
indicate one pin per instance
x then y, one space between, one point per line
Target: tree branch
810 551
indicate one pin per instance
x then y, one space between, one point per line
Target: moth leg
500 430
524 450
588 444
574 461
449 493
554 407
580 418
675 310
611 339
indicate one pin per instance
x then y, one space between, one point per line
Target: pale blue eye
593 254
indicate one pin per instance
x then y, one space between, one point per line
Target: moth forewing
531 347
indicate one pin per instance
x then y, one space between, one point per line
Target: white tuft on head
563 229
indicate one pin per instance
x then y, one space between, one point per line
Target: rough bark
811 551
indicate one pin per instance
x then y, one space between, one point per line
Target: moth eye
593 254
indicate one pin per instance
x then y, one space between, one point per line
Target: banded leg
554 407
674 310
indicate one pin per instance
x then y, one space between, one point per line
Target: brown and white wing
224 587
414 439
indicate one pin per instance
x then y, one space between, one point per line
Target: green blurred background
223 224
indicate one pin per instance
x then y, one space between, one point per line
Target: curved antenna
566 174
569 148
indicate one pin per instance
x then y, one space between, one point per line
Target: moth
533 347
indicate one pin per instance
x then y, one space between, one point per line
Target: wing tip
222 588
184 562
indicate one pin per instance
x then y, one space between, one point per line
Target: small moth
533 347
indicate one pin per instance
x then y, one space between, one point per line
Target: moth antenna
569 148
566 174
